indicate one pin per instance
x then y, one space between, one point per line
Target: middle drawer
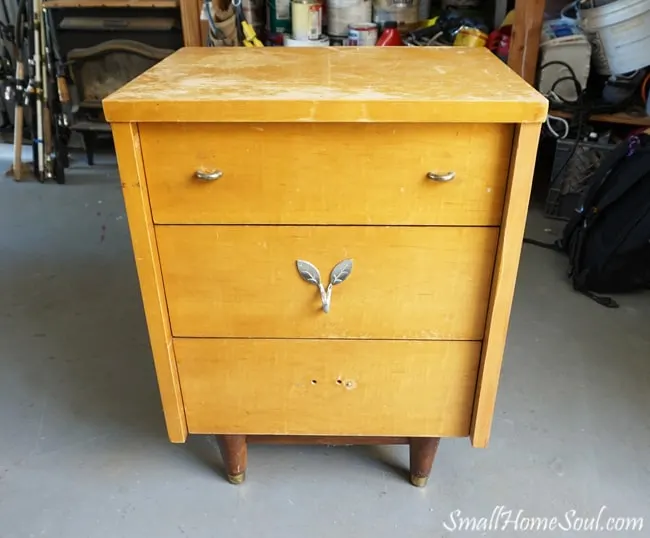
406 282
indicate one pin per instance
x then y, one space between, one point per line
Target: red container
390 37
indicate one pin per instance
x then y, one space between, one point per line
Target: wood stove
106 47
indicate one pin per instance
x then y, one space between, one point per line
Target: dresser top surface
336 84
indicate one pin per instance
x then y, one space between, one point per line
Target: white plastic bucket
619 33
562 40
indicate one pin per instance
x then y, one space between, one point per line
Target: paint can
323 41
363 34
278 17
470 37
306 19
342 13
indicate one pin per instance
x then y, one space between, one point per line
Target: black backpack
608 239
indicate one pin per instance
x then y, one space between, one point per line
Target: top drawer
336 173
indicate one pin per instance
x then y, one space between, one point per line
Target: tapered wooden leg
422 453
234 453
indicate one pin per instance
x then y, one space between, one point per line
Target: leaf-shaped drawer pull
310 273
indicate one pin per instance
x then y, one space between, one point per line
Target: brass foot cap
236 478
419 481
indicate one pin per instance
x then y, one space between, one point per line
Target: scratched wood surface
327 173
406 282
337 84
335 387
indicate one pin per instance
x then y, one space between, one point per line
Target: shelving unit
524 52
190 12
50 4
622 118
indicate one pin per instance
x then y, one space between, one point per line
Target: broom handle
18 126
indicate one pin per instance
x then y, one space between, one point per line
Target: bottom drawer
328 387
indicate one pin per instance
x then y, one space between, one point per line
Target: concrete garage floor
83 450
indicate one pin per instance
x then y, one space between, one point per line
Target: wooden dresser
327 240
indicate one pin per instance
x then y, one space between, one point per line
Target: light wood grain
134 187
503 285
337 84
526 34
191 22
292 387
327 173
411 282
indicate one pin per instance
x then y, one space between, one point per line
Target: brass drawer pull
309 272
208 175
441 177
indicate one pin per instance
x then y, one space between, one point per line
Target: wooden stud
191 22
503 280
204 29
136 200
526 33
